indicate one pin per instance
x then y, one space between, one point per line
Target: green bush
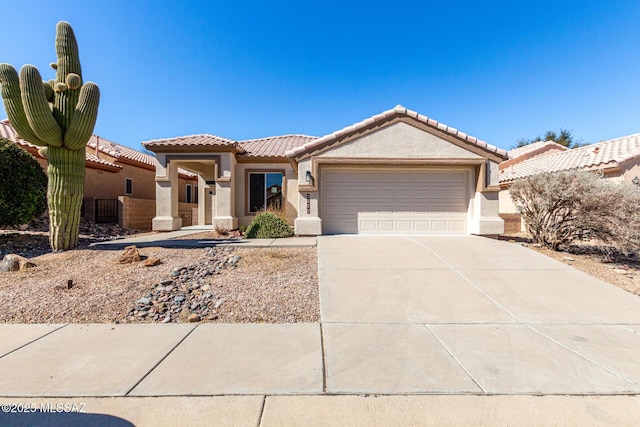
23 192
268 226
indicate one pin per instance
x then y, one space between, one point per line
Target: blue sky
497 70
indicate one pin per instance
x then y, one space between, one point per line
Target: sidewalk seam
159 362
577 353
261 417
455 359
473 285
324 360
32 341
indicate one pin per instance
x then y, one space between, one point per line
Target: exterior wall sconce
308 178
635 181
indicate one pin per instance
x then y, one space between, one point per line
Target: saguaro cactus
58 115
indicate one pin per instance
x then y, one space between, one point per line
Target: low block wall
512 223
136 213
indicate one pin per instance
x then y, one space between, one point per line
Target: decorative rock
151 262
14 262
130 255
186 296
568 258
621 271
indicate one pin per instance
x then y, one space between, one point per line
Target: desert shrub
277 211
559 208
267 225
23 188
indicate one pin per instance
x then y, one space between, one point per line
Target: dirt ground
276 285
273 285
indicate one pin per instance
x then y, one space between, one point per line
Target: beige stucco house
618 159
396 172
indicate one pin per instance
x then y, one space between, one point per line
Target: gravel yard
233 285
275 285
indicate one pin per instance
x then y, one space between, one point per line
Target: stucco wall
400 140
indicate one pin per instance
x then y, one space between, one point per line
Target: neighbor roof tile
605 154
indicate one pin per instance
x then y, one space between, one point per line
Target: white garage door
387 201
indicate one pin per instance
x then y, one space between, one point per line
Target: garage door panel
394 201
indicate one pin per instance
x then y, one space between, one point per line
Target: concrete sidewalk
175 239
413 331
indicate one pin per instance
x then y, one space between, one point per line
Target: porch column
225 194
166 218
308 222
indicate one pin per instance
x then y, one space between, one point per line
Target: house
617 159
119 183
395 172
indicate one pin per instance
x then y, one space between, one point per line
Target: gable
400 140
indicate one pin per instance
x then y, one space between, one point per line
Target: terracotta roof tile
8 132
119 151
534 146
274 146
105 146
203 140
397 110
605 154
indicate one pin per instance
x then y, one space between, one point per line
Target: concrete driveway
470 315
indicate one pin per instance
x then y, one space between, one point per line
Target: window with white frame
265 191
128 186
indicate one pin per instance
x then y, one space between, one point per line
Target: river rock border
186 295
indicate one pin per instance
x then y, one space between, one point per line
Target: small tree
563 137
23 193
561 207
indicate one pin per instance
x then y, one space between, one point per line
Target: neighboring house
119 184
396 172
617 159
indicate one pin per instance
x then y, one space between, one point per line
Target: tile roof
120 151
8 132
105 146
202 140
533 147
398 110
274 146
607 154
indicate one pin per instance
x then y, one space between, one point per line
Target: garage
392 201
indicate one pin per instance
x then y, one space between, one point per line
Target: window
189 193
195 194
128 186
265 190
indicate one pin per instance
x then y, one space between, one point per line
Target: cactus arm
84 117
37 108
68 62
13 104
48 91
